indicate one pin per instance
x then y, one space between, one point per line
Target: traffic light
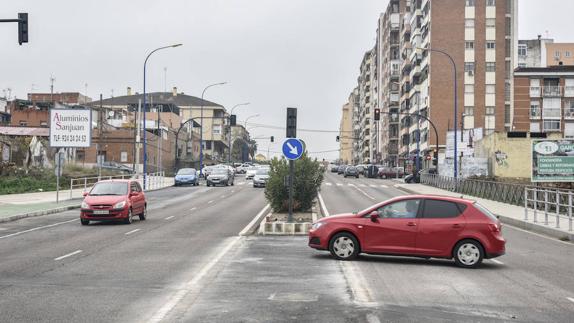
22 28
272 139
291 123
338 138
233 120
435 158
377 114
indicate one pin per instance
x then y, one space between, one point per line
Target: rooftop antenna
52 79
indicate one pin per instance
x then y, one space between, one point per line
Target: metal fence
547 205
80 185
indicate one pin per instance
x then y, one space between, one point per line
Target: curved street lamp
144 110
253 116
201 132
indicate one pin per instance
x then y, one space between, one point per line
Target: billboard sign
553 160
70 127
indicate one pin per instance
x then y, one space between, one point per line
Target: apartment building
365 107
346 132
532 52
544 100
354 99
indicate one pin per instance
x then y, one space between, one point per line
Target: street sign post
59 160
292 148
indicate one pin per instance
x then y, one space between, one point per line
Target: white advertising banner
70 127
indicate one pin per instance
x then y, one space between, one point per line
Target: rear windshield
219 171
186 171
485 211
110 188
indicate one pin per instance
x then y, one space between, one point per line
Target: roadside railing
548 204
153 181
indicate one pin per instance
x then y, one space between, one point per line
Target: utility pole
137 137
100 137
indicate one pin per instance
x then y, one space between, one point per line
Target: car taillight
494 227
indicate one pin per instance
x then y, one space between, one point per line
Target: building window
534 127
469 67
567 54
551 125
469 45
490 22
490 45
489 110
490 89
557 54
491 3
469 110
469 23
522 50
23 123
217 129
490 66
470 3
468 89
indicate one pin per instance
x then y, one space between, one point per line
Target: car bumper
184 182
496 247
317 241
113 215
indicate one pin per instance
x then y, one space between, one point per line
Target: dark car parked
341 169
351 171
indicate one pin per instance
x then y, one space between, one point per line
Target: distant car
242 169
206 171
341 169
113 200
414 225
391 172
117 167
334 168
250 173
361 169
220 176
261 177
351 171
186 176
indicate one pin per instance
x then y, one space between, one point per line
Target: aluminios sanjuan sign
70 127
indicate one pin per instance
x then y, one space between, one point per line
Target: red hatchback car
114 200
415 225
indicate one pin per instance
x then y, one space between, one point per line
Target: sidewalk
509 214
17 206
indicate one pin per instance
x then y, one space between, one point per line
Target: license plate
101 212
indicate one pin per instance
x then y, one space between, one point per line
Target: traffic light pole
22 27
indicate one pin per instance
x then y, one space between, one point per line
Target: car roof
116 181
436 197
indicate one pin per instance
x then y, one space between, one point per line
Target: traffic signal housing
377 114
338 138
22 28
272 139
233 120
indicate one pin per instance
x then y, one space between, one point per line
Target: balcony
552 91
569 91
569 110
535 91
551 113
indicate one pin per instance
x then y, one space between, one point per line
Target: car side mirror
85 194
374 216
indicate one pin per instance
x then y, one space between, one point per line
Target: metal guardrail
549 203
80 185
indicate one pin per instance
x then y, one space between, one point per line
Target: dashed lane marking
362 185
339 184
210 202
133 231
328 184
570 299
193 208
373 185
68 255
384 186
38 228
170 217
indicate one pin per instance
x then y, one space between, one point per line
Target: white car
251 172
261 177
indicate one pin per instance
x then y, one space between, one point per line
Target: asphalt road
186 263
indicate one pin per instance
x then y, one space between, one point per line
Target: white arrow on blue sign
292 148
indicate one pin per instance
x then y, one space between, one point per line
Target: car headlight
317 225
120 205
84 205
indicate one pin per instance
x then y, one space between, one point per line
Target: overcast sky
273 53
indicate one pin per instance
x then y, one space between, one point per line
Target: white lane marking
358 285
373 185
570 299
254 220
339 184
187 287
222 196
362 185
170 217
133 231
68 255
498 262
364 193
372 318
325 211
210 202
38 228
351 184
384 186
533 233
232 191
328 184
193 208
240 183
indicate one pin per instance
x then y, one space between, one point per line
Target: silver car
220 176
251 172
261 177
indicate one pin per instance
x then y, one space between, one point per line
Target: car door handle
411 224
456 225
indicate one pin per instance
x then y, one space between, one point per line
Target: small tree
308 177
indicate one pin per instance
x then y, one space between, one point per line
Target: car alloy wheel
129 219
143 215
468 254
344 246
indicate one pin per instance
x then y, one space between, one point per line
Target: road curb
521 224
38 213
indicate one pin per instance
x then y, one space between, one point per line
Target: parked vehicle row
368 171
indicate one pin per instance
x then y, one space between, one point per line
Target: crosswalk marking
372 185
384 186
328 184
351 184
240 183
339 184
362 185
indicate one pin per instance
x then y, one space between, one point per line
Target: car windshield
110 188
219 171
262 172
186 171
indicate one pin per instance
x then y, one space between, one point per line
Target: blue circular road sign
292 148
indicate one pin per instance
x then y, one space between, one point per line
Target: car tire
357 176
129 219
344 246
143 215
468 253
84 222
208 184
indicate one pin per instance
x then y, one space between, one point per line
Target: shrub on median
306 183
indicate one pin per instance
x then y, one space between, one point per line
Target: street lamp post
455 105
144 110
201 132
253 116
230 129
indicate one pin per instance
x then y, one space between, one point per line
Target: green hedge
307 181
